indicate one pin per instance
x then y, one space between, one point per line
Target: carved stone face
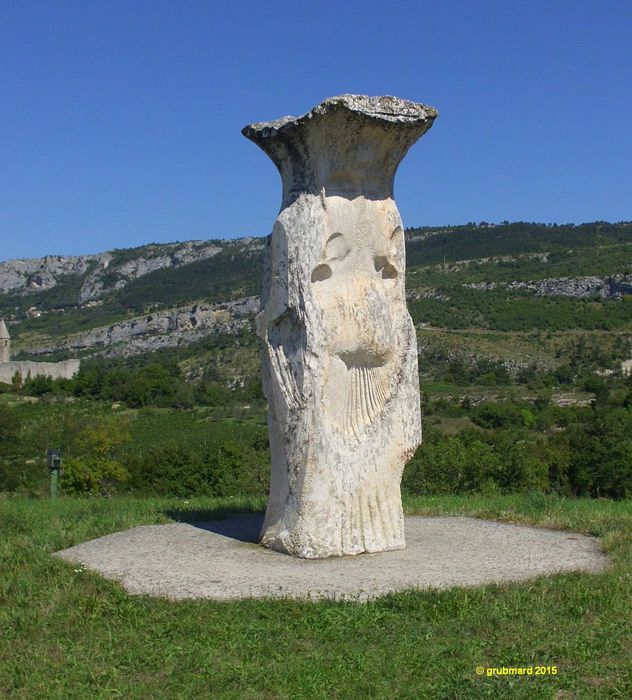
358 286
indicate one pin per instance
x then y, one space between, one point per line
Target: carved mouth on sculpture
364 391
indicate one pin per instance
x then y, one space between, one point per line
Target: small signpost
53 460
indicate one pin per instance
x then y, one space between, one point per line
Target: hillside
525 345
495 302
95 289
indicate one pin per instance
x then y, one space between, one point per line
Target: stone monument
340 353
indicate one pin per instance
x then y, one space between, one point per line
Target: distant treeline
159 384
590 456
515 446
485 240
513 310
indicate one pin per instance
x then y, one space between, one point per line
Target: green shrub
233 459
445 465
94 466
600 459
500 415
468 463
90 475
9 428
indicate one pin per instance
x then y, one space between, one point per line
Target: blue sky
120 120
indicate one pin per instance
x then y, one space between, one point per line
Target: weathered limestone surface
340 359
40 274
160 329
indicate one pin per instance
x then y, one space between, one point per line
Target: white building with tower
66 369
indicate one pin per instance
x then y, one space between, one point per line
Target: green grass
71 634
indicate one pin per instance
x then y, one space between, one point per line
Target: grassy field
67 633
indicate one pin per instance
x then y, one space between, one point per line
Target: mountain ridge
126 302
26 275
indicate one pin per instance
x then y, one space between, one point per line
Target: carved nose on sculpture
358 316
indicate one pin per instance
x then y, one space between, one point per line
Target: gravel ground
221 560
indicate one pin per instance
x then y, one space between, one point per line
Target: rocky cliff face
233 272
105 272
164 256
578 287
163 329
35 274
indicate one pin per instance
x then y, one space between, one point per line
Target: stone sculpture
340 354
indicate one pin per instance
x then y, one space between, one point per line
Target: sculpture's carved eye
321 273
385 269
336 247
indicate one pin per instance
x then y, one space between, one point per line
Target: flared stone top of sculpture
349 145
4 333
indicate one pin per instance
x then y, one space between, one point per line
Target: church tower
5 342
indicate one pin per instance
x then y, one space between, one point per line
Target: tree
600 462
16 382
95 466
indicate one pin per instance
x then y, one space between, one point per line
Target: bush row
580 452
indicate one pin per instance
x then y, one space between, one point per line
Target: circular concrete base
221 560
